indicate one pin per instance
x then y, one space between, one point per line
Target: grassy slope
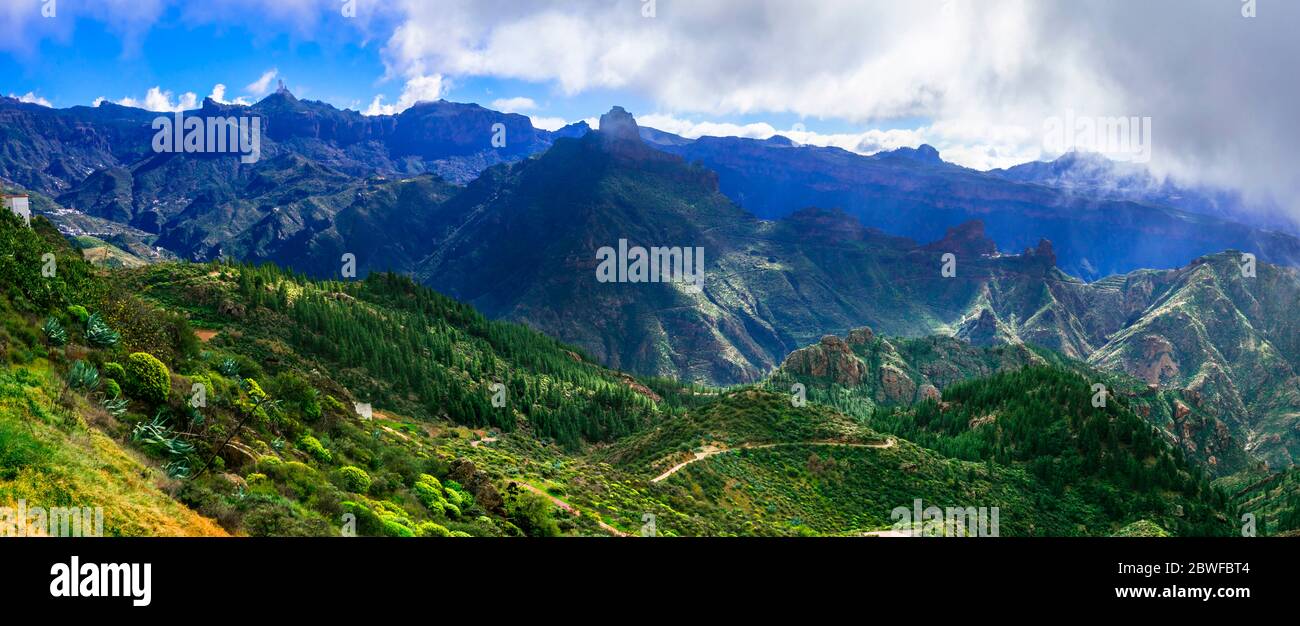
1274 499
50 457
585 436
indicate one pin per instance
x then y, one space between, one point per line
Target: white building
19 205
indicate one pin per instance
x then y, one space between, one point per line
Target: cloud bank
983 77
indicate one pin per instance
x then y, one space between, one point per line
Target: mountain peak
965 238
1044 250
924 153
618 124
576 129
1077 157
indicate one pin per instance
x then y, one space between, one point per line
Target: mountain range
799 241
378 407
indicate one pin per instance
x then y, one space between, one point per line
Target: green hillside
234 392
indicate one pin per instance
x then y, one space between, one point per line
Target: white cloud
514 105
262 86
548 123
377 107
976 79
161 101
417 89
971 147
32 98
219 95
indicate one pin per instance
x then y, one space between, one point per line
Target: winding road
710 450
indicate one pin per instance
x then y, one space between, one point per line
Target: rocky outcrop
478 483
619 125
895 386
859 336
1157 363
831 359
966 239
982 330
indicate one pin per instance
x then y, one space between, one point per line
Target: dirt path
711 450
572 510
888 533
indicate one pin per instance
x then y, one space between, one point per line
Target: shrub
394 528
311 410
184 340
460 533
533 514
83 375
78 312
333 404
312 446
430 494
451 510
431 529
366 520
453 497
112 389
147 379
54 332
114 371
355 479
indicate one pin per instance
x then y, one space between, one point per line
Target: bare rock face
930 392
965 239
1181 411
478 483
619 125
895 386
1158 363
981 330
860 336
831 358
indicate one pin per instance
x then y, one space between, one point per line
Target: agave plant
277 444
178 469
156 434
83 375
114 406
99 334
54 332
196 416
229 368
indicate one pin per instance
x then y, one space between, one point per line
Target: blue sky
80 56
981 80
338 65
